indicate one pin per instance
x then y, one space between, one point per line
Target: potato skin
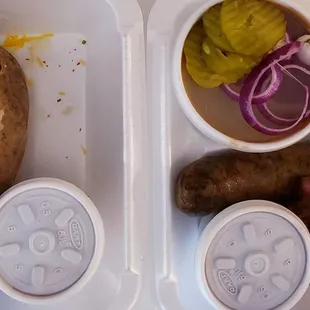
215 182
14 111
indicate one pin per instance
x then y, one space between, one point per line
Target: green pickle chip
253 27
230 65
195 65
231 39
212 25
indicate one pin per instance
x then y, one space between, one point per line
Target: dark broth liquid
297 25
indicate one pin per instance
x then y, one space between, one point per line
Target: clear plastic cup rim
95 217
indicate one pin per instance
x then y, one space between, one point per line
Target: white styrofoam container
120 139
177 143
95 136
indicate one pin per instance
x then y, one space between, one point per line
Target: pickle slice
212 26
195 65
253 27
230 65
203 76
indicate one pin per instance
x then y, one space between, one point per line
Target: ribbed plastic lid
47 241
255 260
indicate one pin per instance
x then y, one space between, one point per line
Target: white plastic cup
254 255
220 118
52 241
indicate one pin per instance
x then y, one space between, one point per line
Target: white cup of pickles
241 72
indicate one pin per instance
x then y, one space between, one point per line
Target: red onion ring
269 115
251 83
231 93
297 67
261 99
263 95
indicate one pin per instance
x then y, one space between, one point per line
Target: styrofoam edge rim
95 217
195 118
236 210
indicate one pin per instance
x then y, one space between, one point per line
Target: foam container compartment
120 139
93 136
177 143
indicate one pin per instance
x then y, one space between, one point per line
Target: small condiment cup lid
51 242
254 255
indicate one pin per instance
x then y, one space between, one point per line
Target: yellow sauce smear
18 41
31 52
82 62
29 81
40 62
62 93
84 151
67 110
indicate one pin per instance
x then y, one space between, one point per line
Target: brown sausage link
215 182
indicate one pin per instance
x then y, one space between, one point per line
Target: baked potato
14 110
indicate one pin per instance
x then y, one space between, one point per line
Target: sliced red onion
251 83
231 93
300 68
269 115
261 99
274 85
297 67
264 94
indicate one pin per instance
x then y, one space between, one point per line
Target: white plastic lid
255 255
47 239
